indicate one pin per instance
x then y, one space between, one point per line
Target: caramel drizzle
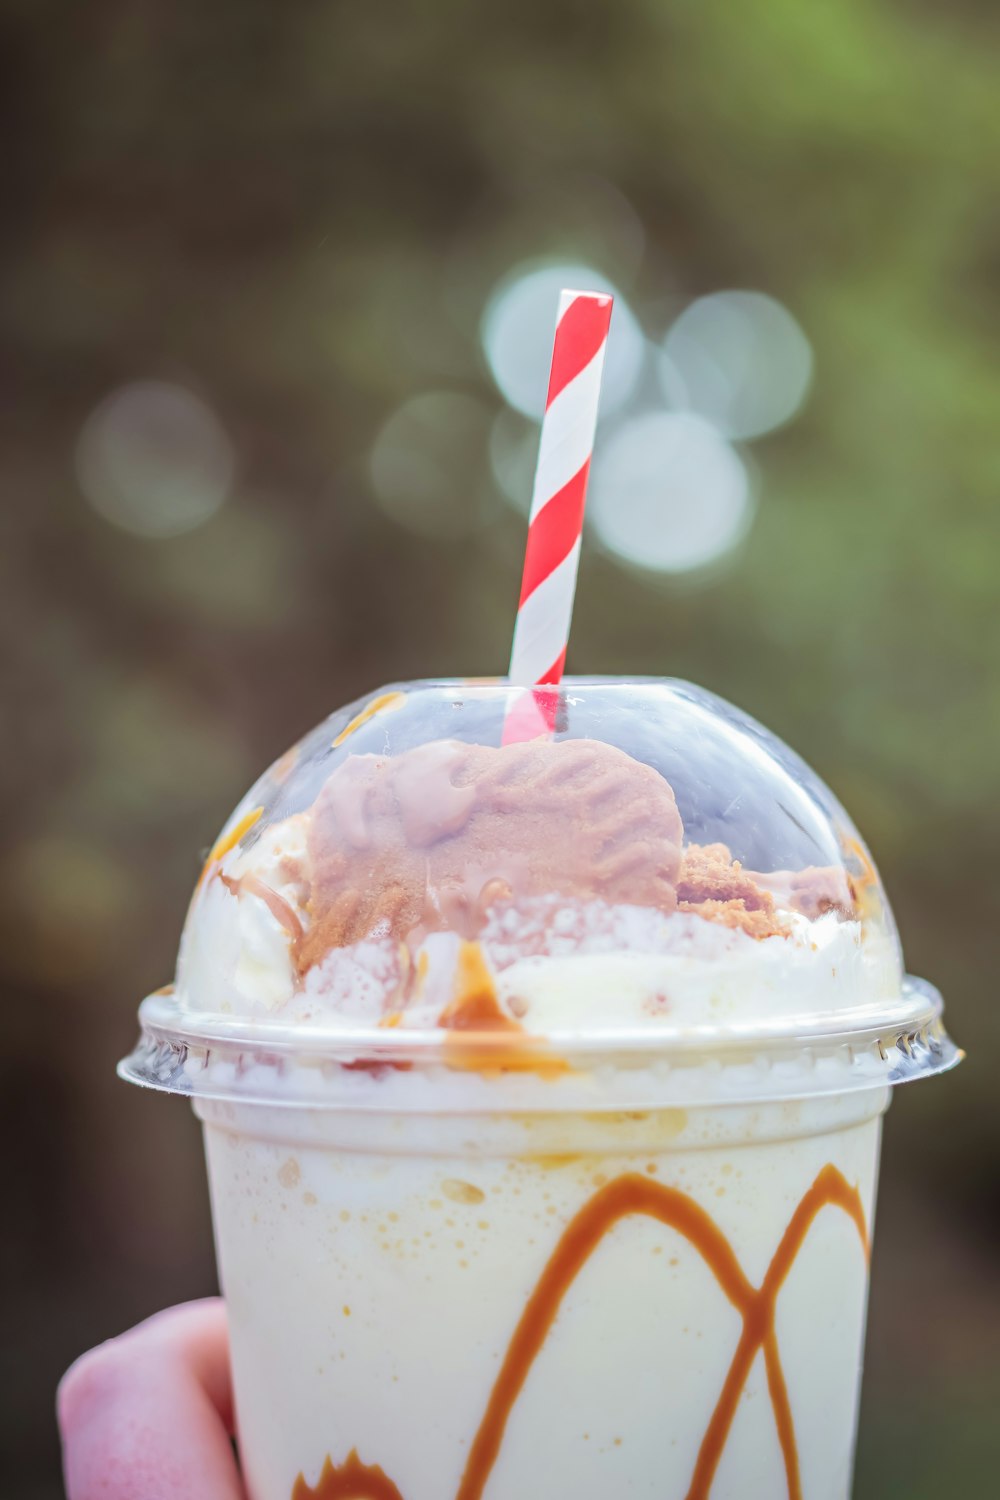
280 909
864 887
627 1195
480 1035
351 1480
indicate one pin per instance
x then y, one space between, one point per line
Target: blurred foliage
299 212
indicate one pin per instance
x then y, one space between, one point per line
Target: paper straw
555 525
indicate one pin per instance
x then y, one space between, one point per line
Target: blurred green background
254 456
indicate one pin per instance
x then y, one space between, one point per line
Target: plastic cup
602 1225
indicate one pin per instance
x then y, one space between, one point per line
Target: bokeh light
519 322
430 465
741 359
154 460
541 216
668 493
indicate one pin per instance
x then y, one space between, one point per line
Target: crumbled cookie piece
715 886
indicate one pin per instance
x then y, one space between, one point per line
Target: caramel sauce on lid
229 840
384 703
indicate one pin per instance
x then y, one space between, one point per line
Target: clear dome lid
653 870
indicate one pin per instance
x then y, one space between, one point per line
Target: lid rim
162 1019
604 1073
164 1025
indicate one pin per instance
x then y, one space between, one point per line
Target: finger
147 1416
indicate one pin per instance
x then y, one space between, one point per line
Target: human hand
149 1415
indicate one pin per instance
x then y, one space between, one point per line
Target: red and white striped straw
555 525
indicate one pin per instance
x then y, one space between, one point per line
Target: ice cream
564 860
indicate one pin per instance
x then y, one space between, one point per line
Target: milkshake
542 1086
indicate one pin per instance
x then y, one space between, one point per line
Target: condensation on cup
542 1087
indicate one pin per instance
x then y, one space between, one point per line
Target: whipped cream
692 972
236 955
557 965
